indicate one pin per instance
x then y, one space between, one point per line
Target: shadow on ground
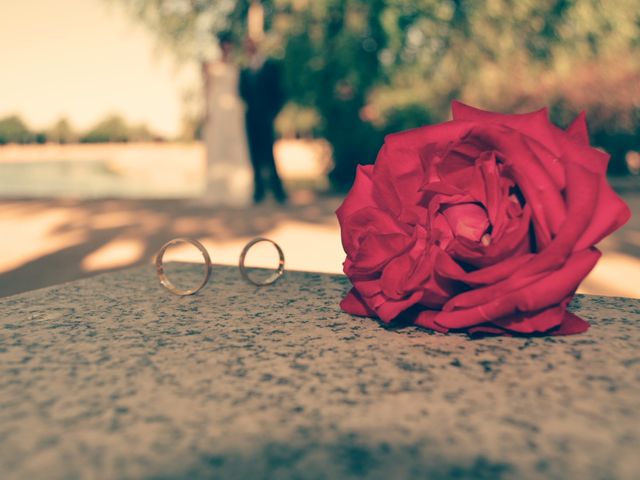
46 242
72 231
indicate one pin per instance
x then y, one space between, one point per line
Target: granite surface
113 377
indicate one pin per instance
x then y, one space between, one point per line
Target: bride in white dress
229 174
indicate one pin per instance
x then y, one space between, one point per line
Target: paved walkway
45 242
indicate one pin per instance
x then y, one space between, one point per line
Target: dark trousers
260 137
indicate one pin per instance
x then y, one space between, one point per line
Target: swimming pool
90 179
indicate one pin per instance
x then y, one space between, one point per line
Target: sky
84 59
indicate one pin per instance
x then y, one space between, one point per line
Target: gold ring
276 275
163 277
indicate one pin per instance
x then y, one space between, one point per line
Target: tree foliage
61 132
368 67
14 130
114 128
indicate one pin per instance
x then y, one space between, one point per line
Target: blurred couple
241 106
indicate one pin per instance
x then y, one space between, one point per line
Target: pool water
91 179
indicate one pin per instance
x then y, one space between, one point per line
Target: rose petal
360 195
407 272
456 169
439 287
371 237
581 197
581 153
487 328
529 322
482 295
552 163
578 129
492 194
491 274
377 250
610 214
544 291
533 124
367 287
394 277
533 179
390 309
419 138
426 319
434 188
571 325
353 304
467 220
441 234
539 131
580 206
510 242
398 178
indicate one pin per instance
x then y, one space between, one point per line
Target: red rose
486 223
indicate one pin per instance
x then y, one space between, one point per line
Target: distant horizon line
83 127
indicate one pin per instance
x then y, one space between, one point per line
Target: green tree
142 133
513 56
331 57
14 130
186 27
113 128
62 132
368 67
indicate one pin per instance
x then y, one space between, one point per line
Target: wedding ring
274 277
166 283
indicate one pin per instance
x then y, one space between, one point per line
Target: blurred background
103 116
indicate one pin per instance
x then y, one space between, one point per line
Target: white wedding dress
229 173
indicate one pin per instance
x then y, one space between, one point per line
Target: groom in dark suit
261 89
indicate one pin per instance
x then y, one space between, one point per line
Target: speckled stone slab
113 377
